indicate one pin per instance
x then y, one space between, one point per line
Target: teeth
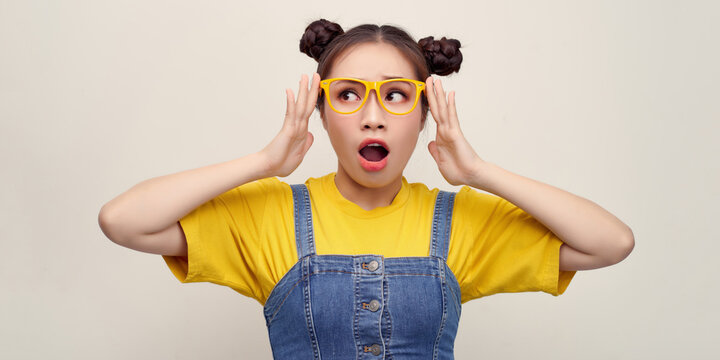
375 144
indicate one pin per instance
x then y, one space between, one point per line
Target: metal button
373 305
375 349
373 265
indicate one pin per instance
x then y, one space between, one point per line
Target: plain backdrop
615 101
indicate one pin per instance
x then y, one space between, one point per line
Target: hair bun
443 56
317 36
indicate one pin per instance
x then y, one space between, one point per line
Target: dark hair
324 40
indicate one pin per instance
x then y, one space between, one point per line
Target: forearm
145 217
578 222
155 204
593 237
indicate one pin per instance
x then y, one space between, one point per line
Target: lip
369 141
373 165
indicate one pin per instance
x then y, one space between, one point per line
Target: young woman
360 263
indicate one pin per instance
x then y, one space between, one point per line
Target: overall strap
304 239
442 220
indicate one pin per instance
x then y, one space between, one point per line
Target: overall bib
365 306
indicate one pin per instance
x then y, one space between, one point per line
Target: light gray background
616 101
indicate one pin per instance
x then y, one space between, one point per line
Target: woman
360 263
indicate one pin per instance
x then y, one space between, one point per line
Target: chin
374 179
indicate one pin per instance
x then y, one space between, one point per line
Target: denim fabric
365 306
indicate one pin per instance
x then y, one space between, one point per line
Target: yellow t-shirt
245 238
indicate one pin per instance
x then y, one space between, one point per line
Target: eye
395 96
348 95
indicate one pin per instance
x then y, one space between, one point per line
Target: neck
367 198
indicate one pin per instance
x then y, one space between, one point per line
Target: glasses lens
346 95
398 96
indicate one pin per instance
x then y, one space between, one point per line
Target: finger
452 110
313 95
290 104
302 93
442 103
432 99
311 100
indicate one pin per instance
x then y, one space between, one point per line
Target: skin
145 217
371 189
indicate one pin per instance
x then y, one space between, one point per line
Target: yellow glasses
348 95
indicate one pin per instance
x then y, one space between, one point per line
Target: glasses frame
373 85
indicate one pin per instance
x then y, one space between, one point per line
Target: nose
373 114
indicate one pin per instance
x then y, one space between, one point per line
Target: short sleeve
497 247
238 239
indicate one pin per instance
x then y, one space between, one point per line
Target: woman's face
353 136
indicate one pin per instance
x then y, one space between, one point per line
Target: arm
145 217
592 237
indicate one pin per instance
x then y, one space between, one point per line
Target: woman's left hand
456 159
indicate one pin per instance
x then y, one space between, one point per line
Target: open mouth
373 154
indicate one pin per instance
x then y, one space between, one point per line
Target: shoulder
471 200
475 209
417 189
325 180
416 196
257 194
262 187
466 200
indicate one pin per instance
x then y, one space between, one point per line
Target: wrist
261 162
483 175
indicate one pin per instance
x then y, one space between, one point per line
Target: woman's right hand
146 217
286 151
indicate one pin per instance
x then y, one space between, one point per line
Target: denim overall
365 306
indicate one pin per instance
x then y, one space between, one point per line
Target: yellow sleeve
497 247
228 239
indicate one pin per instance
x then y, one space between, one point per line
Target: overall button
375 349
372 266
373 305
